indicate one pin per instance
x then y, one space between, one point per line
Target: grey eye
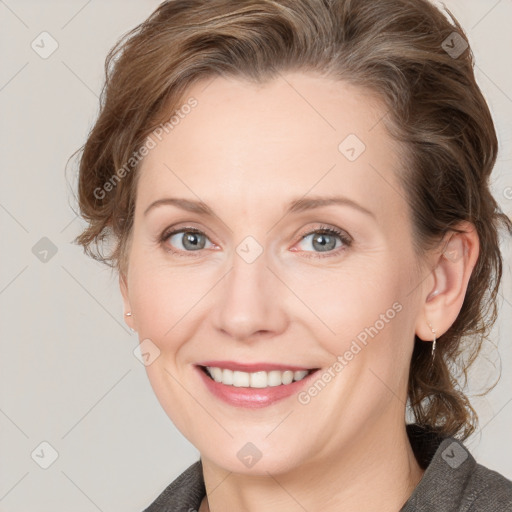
323 242
189 240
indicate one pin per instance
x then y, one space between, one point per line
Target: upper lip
252 367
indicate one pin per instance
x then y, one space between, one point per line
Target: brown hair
398 49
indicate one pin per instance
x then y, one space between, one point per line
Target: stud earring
129 313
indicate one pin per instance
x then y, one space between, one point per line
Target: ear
445 289
123 285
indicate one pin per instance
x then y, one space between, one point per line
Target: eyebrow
296 206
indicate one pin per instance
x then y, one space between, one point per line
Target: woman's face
251 285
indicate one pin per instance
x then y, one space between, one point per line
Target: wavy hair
401 50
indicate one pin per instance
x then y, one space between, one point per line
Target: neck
378 471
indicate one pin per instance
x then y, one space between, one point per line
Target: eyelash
327 230
324 230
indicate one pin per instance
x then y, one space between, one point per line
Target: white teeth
287 377
257 379
299 375
216 373
241 379
227 377
274 378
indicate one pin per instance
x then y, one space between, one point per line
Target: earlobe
123 286
451 273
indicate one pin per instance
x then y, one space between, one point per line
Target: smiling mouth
259 379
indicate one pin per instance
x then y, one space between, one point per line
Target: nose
250 304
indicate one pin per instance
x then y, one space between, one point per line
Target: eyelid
173 230
345 238
326 228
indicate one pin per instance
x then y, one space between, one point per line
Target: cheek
368 314
165 300
344 300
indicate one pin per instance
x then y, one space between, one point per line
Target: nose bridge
248 303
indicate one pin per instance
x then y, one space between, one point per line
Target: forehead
246 143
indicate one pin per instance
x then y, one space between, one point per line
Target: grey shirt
452 482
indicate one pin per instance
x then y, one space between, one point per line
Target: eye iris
323 241
323 245
191 237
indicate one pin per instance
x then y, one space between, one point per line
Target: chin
255 458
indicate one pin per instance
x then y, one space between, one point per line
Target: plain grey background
68 375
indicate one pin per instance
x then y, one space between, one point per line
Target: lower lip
252 397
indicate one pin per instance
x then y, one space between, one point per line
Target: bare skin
248 151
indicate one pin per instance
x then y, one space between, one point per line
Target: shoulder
454 482
488 490
183 494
